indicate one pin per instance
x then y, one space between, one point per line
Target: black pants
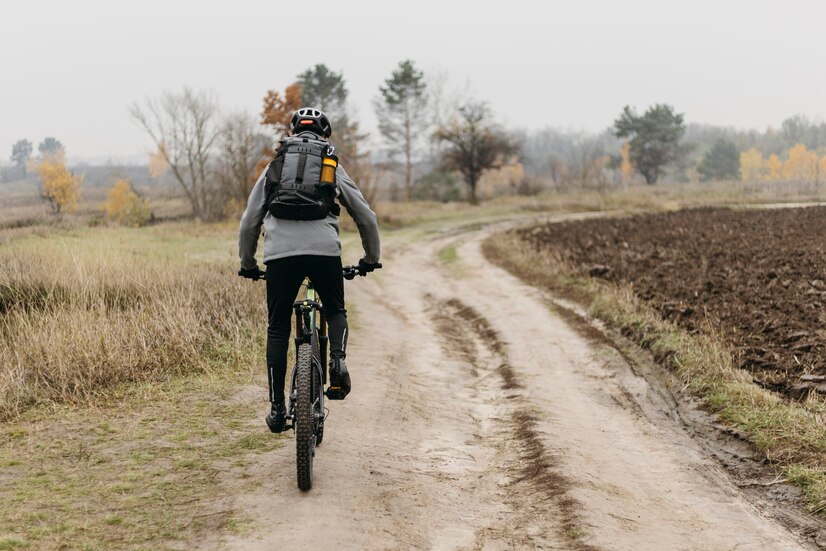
284 277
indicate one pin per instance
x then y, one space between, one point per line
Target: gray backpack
300 180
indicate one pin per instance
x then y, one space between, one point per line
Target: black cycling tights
284 277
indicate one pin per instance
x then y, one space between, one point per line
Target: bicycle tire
318 390
305 437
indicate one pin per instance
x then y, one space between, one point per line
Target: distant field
21 204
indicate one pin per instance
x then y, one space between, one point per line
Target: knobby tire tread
304 416
317 386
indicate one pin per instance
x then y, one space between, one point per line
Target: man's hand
366 268
253 273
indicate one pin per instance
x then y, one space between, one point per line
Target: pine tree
401 110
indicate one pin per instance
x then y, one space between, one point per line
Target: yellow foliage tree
59 187
126 207
626 168
801 165
157 164
774 168
751 165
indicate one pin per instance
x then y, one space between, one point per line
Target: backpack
300 180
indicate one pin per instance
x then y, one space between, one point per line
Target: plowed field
756 276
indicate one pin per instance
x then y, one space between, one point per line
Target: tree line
215 159
436 143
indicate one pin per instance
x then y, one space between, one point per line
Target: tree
474 144
278 109
49 146
124 206
240 147
654 138
59 187
323 89
20 153
184 129
800 130
327 90
401 110
751 165
773 167
801 165
626 168
157 164
722 162
277 113
585 161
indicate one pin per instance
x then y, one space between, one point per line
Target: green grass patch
166 445
9 544
448 254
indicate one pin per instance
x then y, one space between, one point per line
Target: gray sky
70 68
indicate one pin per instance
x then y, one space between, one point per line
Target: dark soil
757 276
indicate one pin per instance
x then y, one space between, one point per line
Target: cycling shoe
277 418
339 380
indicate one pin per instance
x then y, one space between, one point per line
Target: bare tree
184 128
475 144
241 148
585 162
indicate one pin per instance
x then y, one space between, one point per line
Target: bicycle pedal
335 393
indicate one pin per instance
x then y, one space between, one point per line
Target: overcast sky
70 69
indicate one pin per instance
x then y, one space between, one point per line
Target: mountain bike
306 413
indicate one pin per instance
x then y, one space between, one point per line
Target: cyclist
296 202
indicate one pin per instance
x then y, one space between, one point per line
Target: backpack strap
302 164
274 171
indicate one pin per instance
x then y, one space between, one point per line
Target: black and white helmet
312 119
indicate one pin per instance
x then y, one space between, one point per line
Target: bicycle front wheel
305 435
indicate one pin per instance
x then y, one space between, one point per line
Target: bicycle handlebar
349 272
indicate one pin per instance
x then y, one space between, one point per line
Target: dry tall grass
87 310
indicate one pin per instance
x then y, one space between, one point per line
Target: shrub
60 188
126 207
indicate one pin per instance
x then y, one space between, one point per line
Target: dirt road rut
482 420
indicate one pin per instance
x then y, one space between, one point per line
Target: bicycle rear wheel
305 420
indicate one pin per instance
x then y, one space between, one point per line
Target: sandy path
482 420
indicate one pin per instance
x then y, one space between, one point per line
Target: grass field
118 349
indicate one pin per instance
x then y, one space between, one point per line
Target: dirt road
481 419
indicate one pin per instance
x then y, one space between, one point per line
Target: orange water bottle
329 163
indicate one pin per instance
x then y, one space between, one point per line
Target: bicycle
306 412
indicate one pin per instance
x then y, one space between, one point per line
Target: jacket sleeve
251 225
365 218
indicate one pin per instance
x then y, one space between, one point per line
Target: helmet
312 119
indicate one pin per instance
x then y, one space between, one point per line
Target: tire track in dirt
640 479
536 483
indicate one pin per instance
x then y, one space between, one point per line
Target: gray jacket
284 238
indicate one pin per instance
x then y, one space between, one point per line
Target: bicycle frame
309 322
